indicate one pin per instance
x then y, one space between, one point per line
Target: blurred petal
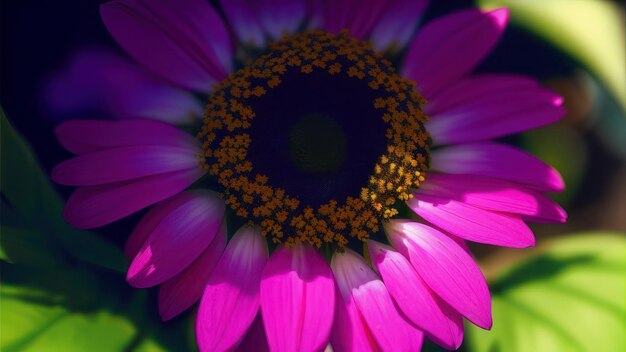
121 164
395 28
450 47
93 206
445 267
493 194
471 223
183 290
297 299
416 300
179 238
231 299
357 16
357 280
255 339
87 136
184 41
500 161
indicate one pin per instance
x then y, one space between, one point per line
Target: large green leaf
567 297
591 31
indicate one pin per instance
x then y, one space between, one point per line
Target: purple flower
318 143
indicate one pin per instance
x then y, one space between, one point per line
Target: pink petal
500 161
349 332
87 136
471 223
445 267
297 299
122 164
183 290
450 47
184 41
180 237
356 280
255 339
495 115
94 206
101 81
493 194
416 300
358 16
395 28
231 299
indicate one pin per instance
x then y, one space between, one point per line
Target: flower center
316 140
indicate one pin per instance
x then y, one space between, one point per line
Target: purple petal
103 82
231 299
357 280
445 267
450 47
255 339
495 115
184 41
87 136
183 290
471 223
395 28
357 16
124 163
493 194
416 300
94 206
297 299
179 238
499 161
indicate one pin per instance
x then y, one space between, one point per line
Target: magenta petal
87 136
356 280
450 47
499 161
416 300
297 299
493 194
101 81
124 163
349 332
395 28
184 41
445 267
180 237
255 339
357 16
231 299
471 223
93 206
183 290
495 115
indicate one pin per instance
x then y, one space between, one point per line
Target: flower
317 145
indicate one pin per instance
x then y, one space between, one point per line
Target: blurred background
64 290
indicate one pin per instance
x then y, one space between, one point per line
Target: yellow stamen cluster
225 142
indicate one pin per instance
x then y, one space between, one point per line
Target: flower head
317 144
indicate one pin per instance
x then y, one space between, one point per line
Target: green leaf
591 31
568 297
35 205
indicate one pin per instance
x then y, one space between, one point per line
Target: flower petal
297 299
280 17
183 290
416 300
124 163
357 280
255 339
450 47
495 115
87 136
180 237
93 206
357 16
231 299
445 267
350 333
184 41
471 223
242 17
500 161
100 81
493 194
395 28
